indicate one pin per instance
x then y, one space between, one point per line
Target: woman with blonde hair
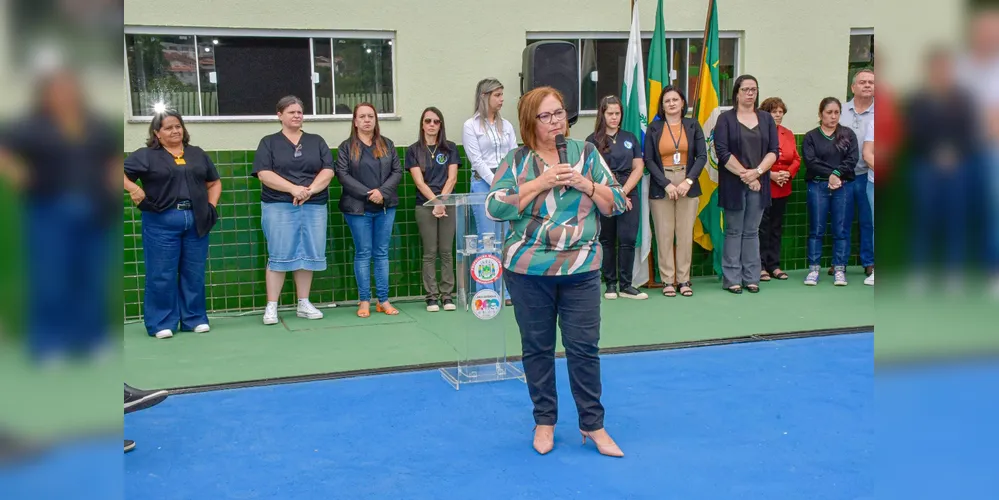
487 138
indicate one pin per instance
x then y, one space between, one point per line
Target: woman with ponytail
622 152
831 153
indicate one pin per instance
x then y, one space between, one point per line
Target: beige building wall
797 49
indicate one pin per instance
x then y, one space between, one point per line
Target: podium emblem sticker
486 304
486 269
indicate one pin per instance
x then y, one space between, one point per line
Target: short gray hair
862 71
483 90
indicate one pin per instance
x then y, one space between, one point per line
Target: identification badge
676 158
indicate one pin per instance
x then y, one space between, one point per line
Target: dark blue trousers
68 256
573 303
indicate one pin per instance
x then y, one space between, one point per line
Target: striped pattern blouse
556 234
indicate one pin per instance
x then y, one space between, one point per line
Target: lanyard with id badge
676 143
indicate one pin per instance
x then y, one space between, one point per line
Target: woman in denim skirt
295 169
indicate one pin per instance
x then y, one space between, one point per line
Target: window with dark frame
236 76
602 60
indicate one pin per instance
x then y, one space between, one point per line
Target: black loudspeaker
553 64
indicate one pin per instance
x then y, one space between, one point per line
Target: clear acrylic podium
477 332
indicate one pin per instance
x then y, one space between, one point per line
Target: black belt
184 205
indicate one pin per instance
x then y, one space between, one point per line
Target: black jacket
697 156
822 156
728 144
354 197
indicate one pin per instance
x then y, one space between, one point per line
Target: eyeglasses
298 150
546 117
749 90
428 121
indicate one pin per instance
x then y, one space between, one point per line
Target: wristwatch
759 170
690 182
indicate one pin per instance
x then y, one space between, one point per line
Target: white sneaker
202 328
813 276
869 281
308 311
270 314
164 334
839 277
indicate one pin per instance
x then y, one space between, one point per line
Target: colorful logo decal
486 304
441 158
628 144
486 269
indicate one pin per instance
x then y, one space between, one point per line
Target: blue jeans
942 216
484 224
857 203
173 250
67 258
870 195
573 304
829 205
372 232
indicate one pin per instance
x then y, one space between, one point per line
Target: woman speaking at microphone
551 259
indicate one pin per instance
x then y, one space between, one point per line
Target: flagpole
704 54
651 283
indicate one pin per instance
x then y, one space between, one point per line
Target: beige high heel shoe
605 445
544 438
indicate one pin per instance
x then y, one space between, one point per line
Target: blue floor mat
784 419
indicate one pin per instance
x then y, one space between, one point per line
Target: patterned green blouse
556 234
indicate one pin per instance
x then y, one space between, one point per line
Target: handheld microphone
561 146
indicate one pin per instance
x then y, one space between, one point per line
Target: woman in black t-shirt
433 162
179 192
622 152
369 170
295 169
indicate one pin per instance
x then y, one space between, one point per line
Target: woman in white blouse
487 138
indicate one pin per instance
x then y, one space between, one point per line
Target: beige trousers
674 219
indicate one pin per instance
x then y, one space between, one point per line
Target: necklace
177 158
